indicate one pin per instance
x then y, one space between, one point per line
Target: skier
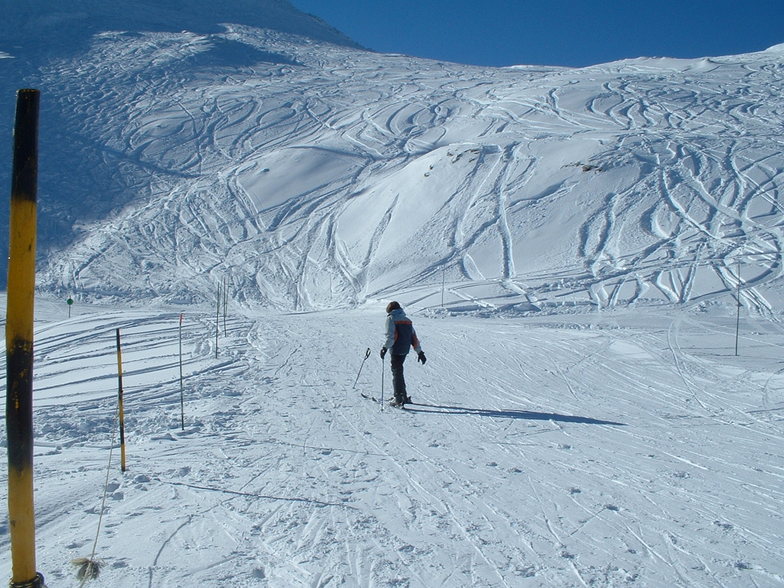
400 336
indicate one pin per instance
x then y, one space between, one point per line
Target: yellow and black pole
19 341
120 402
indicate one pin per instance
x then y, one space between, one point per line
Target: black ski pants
398 379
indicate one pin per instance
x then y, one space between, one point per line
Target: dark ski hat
394 305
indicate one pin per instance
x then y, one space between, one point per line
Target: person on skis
400 337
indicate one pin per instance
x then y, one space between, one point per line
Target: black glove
421 357
383 352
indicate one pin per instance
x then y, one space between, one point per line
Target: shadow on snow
508 414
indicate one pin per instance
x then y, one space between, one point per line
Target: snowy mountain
593 412
50 27
312 175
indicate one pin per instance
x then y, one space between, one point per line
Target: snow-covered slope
623 444
613 450
314 175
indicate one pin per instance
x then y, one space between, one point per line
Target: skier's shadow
507 414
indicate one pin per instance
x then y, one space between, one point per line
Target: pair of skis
381 402
369 396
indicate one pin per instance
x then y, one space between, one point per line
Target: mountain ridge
38 28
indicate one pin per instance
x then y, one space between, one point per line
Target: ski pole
367 354
382 383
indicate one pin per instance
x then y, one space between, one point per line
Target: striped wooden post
19 341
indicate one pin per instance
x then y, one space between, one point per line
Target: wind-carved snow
322 175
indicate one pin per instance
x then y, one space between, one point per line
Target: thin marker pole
737 320
217 320
225 304
120 405
182 393
443 286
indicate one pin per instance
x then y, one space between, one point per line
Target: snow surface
610 449
571 244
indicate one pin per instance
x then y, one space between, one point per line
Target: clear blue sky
554 32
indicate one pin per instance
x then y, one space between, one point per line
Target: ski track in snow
616 450
642 181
